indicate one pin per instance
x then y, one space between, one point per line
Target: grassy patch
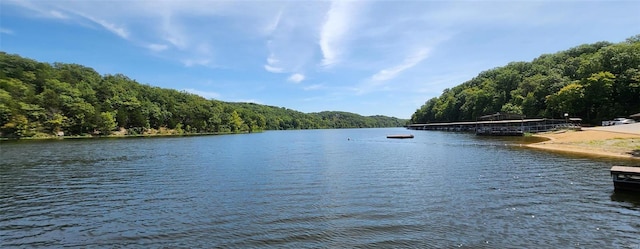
615 144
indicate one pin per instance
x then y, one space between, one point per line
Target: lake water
350 188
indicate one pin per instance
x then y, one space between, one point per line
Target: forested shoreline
42 100
594 82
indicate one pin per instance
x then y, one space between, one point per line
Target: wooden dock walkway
513 127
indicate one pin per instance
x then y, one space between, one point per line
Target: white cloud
296 78
334 30
369 46
273 69
292 43
272 60
111 27
157 47
313 87
57 14
273 25
205 94
248 101
271 65
75 12
122 32
6 31
178 30
40 10
409 62
197 62
171 32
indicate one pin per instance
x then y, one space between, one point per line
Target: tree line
595 82
43 99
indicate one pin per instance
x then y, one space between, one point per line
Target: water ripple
308 189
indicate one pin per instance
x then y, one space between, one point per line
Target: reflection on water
513 139
626 197
345 188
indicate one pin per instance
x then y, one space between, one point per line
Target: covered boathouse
502 125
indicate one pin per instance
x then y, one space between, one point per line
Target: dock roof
510 121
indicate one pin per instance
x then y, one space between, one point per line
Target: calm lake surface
349 188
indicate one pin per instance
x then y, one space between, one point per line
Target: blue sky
366 57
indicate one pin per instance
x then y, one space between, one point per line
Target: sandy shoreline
601 142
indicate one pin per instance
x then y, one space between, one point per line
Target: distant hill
595 82
42 99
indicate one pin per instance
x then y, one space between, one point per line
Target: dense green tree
598 99
18 126
106 123
568 100
56 122
594 81
48 98
235 122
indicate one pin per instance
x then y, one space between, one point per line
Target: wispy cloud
198 62
313 87
409 62
296 78
351 47
75 13
68 13
157 47
273 69
334 30
271 65
6 31
40 10
272 62
273 25
57 14
120 31
171 32
291 42
248 101
205 94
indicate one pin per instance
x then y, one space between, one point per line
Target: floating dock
402 136
626 178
